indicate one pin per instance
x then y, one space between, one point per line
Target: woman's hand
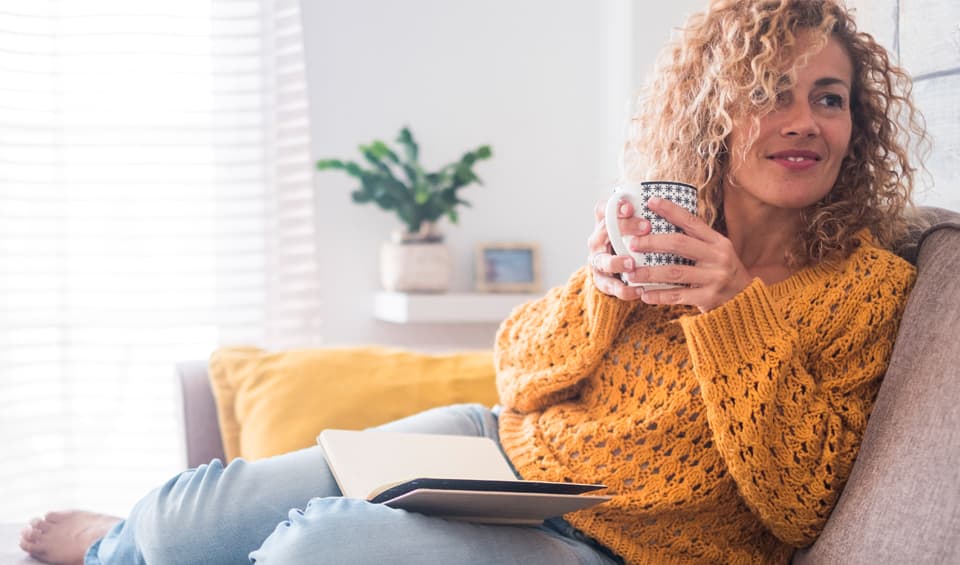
606 266
718 275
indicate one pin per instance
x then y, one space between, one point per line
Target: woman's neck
762 237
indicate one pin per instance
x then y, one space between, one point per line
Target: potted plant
416 258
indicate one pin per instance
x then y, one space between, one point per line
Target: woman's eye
832 101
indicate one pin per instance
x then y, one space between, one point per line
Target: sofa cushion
272 403
902 501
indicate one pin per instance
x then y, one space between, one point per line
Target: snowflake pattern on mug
683 195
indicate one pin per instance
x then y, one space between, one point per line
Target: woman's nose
799 120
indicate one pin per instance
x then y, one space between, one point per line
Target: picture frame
508 267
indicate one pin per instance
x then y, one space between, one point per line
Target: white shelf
403 308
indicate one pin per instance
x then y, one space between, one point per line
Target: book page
364 462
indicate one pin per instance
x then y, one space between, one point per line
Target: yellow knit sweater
725 437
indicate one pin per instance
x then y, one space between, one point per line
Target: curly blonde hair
734 60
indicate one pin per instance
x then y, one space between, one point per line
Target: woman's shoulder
869 255
868 266
872 266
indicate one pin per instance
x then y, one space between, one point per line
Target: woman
724 416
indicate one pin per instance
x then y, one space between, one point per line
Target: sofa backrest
902 501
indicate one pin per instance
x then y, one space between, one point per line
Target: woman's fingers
599 241
678 274
613 286
680 295
609 264
605 266
601 256
600 210
676 243
690 223
628 223
625 210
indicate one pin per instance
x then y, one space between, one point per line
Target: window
924 35
155 202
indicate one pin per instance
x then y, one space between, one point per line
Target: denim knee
355 532
176 527
341 530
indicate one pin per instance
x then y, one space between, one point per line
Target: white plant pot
415 267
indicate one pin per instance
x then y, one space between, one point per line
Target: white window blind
924 36
155 203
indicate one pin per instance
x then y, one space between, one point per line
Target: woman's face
796 158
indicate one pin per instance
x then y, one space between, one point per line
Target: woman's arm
788 422
547 347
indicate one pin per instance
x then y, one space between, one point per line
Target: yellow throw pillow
272 403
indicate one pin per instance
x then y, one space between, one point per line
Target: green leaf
361 196
349 167
370 154
412 173
388 189
410 145
421 196
484 152
325 164
382 151
354 169
465 176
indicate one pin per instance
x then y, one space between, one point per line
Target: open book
457 477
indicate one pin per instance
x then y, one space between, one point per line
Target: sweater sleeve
787 421
546 348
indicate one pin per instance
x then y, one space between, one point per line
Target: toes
33 530
39 525
26 543
32 548
55 516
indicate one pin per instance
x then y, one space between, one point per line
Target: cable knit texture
725 437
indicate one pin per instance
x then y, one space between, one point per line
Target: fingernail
654 200
623 209
644 225
628 264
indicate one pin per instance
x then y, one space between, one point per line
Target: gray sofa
902 502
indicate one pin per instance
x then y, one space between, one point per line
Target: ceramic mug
638 194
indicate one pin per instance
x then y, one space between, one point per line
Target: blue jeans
288 510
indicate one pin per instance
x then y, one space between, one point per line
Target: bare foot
62 538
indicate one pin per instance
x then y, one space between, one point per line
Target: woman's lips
795 160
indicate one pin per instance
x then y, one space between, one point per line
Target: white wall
546 83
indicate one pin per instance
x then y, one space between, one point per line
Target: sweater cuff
606 313
748 322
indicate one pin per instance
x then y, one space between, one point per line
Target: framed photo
508 267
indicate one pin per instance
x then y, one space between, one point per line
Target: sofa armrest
200 426
901 502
